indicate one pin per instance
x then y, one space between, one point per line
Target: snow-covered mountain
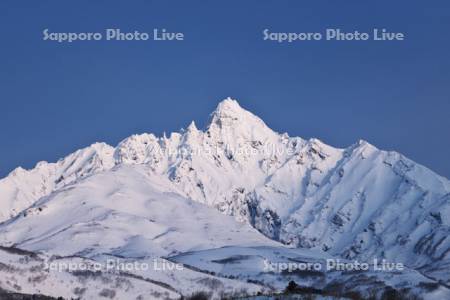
159 196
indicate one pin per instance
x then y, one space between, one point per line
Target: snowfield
224 201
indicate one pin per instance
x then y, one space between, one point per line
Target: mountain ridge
358 202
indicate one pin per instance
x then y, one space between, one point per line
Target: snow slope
123 212
23 187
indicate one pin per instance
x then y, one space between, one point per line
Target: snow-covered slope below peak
125 213
21 188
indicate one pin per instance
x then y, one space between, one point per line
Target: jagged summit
228 106
229 113
192 127
233 124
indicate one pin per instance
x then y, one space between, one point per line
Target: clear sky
58 97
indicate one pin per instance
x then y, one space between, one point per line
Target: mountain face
357 203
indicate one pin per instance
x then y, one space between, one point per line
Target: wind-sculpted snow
359 202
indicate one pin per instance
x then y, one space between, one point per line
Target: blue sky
56 98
